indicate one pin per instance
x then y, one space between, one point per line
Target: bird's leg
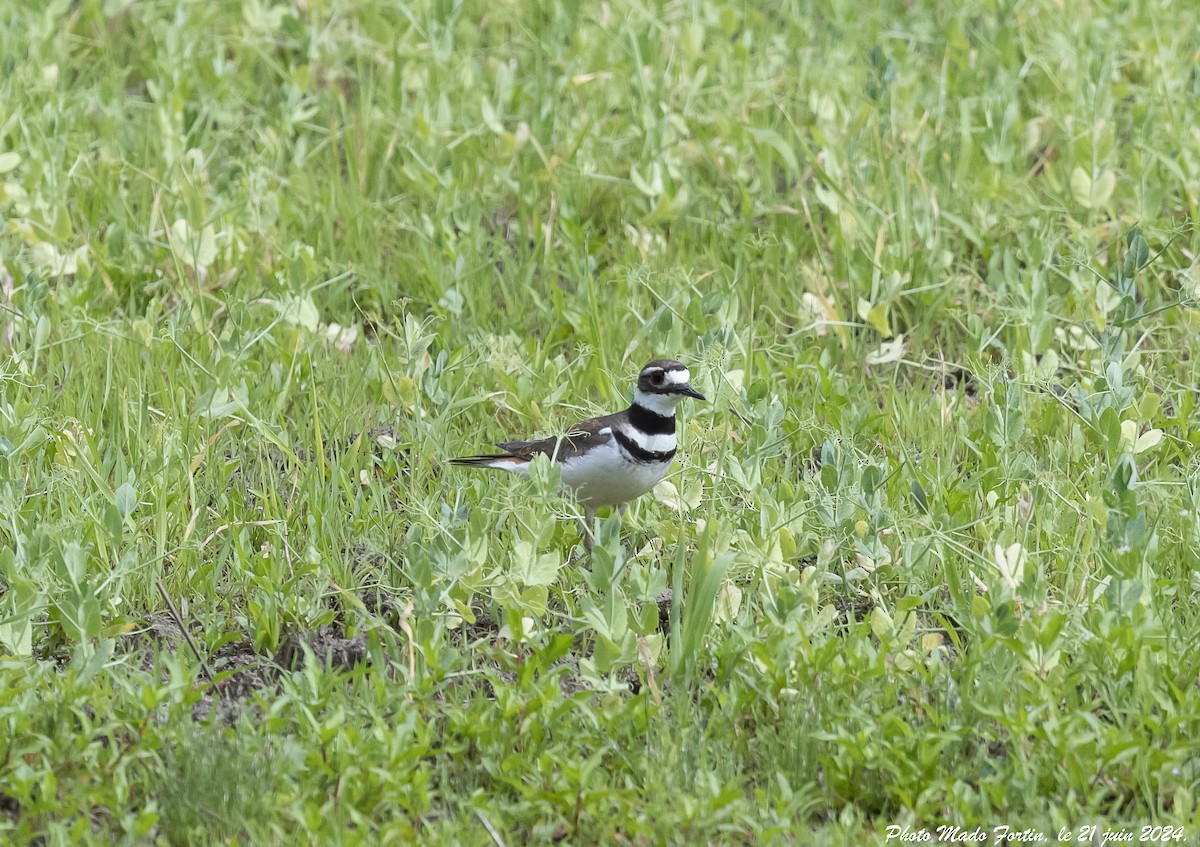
589 516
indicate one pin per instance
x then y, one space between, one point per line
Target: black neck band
650 422
640 454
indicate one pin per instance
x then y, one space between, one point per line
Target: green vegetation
932 544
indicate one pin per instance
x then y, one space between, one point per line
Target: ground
928 557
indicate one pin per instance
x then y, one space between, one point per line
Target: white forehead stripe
678 377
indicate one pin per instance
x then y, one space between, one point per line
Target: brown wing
579 438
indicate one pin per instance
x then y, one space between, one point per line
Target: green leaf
113 523
534 599
18 606
1081 187
777 143
919 495
195 249
490 119
529 568
299 311
1148 440
882 625
87 659
1137 252
700 603
651 187
1110 428
609 654
79 612
1089 192
1004 421
71 564
876 314
872 478
126 500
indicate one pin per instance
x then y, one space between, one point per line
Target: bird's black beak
687 391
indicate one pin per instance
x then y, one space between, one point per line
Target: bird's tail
498 461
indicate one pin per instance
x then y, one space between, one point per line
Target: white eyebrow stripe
679 377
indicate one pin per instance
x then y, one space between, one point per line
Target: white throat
662 404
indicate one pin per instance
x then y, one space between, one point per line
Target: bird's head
662 384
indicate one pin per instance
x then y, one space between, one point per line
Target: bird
612 459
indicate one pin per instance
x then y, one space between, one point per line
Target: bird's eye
657 378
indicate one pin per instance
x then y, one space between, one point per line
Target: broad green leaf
217 403
79 612
1089 192
780 145
126 499
490 119
729 601
1137 251
1010 562
1148 440
299 311
195 249
1081 187
651 187
18 607
530 568
889 351
875 314
1107 297
882 625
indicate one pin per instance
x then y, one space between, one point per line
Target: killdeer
609 460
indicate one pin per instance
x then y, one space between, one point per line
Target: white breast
604 476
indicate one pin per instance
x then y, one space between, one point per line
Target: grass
932 542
